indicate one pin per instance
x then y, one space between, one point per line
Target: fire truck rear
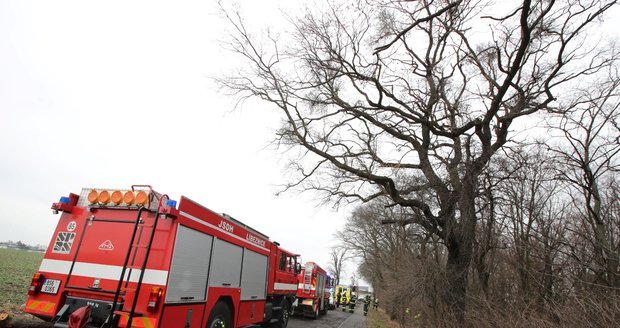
313 291
130 258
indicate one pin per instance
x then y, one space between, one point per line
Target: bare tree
400 261
590 152
387 98
533 206
338 255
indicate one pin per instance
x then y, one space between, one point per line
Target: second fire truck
313 292
121 258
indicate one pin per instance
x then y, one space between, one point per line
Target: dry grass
379 319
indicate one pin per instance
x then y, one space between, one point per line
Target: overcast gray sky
115 93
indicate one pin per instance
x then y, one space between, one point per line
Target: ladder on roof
123 281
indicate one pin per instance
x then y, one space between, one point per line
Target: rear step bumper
100 311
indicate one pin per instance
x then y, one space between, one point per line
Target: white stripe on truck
283 286
103 271
306 287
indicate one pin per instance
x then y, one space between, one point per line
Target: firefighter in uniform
343 300
337 298
352 303
366 304
375 303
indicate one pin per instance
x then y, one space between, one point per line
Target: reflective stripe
149 322
306 287
47 307
283 286
32 305
145 322
103 271
40 306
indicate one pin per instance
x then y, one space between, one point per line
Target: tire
282 316
315 315
325 306
220 316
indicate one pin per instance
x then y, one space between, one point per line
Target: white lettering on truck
226 226
255 240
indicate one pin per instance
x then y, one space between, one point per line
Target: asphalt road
333 319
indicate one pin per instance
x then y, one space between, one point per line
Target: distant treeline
20 245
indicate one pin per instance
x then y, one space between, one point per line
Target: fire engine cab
313 292
132 258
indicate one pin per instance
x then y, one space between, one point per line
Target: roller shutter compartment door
190 266
226 265
253 276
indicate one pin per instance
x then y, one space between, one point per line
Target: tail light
154 299
35 284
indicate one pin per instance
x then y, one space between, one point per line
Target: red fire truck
131 258
313 291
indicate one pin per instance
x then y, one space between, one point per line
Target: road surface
333 319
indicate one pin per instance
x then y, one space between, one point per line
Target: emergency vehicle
313 292
131 258
339 291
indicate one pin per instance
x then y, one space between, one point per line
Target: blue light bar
171 203
64 200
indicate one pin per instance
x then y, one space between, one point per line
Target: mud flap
80 317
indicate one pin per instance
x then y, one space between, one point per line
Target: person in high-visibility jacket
366 304
375 303
343 300
352 303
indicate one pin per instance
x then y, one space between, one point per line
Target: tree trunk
459 242
457 268
484 246
607 257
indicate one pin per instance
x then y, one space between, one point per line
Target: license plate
50 286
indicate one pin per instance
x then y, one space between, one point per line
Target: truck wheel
220 316
282 316
315 315
325 307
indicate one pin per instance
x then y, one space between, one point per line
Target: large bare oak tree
391 98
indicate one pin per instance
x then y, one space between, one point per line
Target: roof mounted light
93 195
104 197
65 204
96 198
142 198
117 197
129 198
171 203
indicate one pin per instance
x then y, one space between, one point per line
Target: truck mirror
297 268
